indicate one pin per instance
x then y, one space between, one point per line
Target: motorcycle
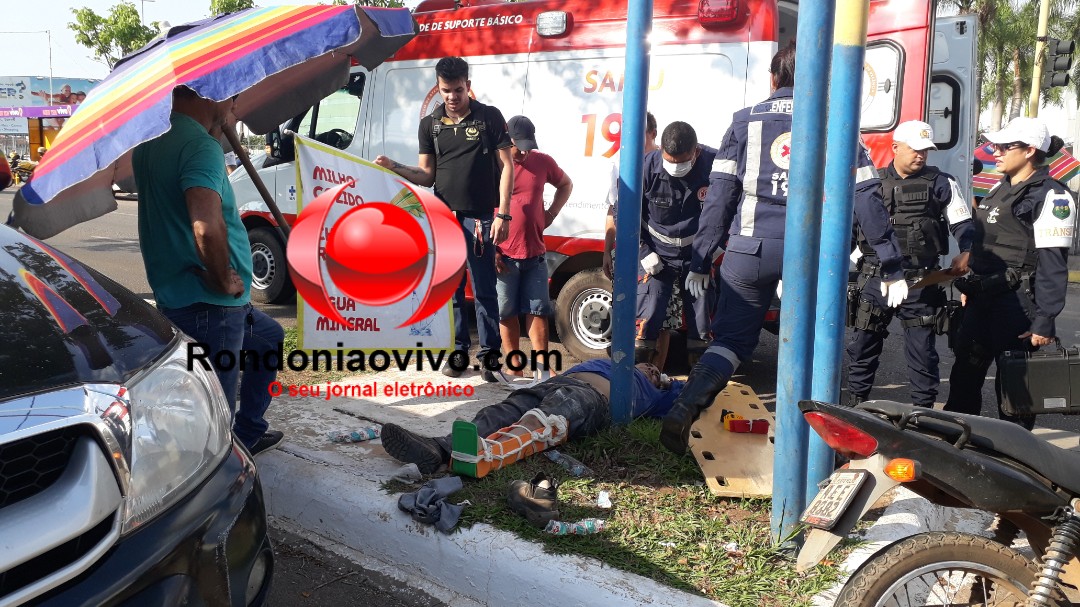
952 460
21 170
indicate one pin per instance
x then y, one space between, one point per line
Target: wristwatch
504 216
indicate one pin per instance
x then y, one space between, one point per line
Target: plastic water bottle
573 466
363 434
587 526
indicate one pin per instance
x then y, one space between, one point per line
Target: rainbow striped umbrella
1063 167
277 61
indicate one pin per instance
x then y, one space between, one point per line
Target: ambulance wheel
270 282
583 314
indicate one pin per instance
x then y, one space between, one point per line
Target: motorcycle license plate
832 501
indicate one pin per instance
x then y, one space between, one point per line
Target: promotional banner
368 327
27 91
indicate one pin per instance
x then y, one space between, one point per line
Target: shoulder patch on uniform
781 151
1056 222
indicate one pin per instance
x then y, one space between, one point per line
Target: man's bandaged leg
534 432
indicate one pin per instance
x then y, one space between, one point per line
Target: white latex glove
696 284
779 289
894 292
652 264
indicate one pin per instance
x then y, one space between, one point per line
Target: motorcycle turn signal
902 469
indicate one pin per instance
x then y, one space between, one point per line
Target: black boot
696 396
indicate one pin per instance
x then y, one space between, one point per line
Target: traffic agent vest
916 217
1001 239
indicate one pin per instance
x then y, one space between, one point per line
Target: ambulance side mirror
279 147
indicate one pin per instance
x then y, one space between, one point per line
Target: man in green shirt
198 258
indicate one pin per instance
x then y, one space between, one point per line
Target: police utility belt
992 284
872 267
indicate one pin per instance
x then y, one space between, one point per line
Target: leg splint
475 456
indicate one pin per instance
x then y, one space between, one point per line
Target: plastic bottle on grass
573 466
587 526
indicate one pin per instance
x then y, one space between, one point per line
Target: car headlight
180 429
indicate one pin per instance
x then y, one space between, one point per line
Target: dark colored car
120 480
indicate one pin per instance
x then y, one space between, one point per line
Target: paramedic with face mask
675 183
746 210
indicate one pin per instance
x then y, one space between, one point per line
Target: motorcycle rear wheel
941 568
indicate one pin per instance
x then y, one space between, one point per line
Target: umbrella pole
241 153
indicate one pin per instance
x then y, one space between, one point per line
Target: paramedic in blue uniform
744 212
1023 230
675 183
925 205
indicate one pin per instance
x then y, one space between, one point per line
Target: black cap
522 133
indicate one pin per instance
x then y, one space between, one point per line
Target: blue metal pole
801 242
843 134
628 223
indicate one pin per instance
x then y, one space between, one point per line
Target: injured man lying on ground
532 419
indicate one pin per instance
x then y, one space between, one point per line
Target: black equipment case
1040 382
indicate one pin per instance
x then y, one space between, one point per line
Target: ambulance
561 62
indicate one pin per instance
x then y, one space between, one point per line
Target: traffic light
1058 62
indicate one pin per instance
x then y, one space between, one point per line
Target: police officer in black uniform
1023 231
746 209
676 180
925 205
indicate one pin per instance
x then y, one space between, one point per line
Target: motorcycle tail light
902 469
845 439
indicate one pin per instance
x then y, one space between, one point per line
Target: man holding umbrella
198 258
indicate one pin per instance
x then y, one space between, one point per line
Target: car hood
62 323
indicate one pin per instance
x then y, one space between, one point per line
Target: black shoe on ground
449 371
696 396
410 448
269 440
537 500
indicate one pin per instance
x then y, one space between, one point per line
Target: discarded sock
429 504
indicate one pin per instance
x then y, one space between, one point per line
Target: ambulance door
952 98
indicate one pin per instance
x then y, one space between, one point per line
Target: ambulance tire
583 314
270 281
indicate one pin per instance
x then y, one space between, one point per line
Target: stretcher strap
552 430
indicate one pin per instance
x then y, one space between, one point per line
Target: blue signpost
849 41
801 245
628 223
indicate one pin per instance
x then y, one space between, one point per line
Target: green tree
1007 30
220 7
113 36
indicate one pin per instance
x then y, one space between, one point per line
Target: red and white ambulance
560 62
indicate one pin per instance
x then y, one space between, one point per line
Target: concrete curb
343 506
331 493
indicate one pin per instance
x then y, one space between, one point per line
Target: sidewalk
331 493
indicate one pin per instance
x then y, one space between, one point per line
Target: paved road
309 575
110 244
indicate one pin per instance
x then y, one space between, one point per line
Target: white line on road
111 239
